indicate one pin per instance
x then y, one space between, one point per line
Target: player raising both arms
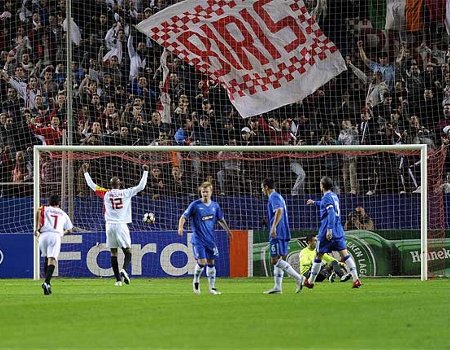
331 236
279 238
117 205
51 224
203 214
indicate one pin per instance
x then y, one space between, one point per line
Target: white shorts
117 236
50 244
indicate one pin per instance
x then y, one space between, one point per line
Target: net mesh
116 97
385 223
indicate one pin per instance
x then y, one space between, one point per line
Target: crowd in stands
396 91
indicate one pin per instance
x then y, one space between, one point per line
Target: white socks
211 274
315 268
198 272
286 267
278 277
351 267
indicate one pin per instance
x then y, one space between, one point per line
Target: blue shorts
325 246
278 247
203 252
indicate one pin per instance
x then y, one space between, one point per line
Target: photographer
358 219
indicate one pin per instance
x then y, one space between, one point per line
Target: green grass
163 313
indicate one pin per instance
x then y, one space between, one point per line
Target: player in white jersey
51 224
117 206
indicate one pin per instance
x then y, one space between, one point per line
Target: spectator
156 184
278 134
95 137
48 85
50 135
331 163
203 132
140 130
122 137
231 170
108 114
383 66
154 126
178 184
358 219
107 88
40 111
376 86
184 134
181 112
59 108
3 135
419 133
258 137
27 92
7 166
444 120
349 136
8 132
247 136
137 57
163 138
23 169
414 83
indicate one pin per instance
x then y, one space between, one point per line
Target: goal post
245 203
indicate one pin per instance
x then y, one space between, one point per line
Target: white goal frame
422 148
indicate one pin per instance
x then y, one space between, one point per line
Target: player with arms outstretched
331 236
51 224
279 238
117 206
203 214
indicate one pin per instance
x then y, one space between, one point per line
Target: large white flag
266 53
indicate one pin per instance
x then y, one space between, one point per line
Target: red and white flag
266 53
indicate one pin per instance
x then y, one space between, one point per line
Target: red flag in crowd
266 53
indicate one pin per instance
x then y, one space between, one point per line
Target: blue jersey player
279 238
331 235
203 214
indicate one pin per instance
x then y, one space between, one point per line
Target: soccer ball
149 218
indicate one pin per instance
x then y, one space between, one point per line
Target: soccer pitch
164 313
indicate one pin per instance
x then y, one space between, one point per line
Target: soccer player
51 224
329 269
279 238
117 206
203 214
331 234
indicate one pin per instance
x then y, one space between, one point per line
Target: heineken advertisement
374 255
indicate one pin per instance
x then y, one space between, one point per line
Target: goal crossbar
421 149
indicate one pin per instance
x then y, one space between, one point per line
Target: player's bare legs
126 262
48 270
115 266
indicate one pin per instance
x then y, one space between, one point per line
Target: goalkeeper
330 268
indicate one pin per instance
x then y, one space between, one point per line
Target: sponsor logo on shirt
207 217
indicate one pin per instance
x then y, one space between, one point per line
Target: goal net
383 202
111 77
